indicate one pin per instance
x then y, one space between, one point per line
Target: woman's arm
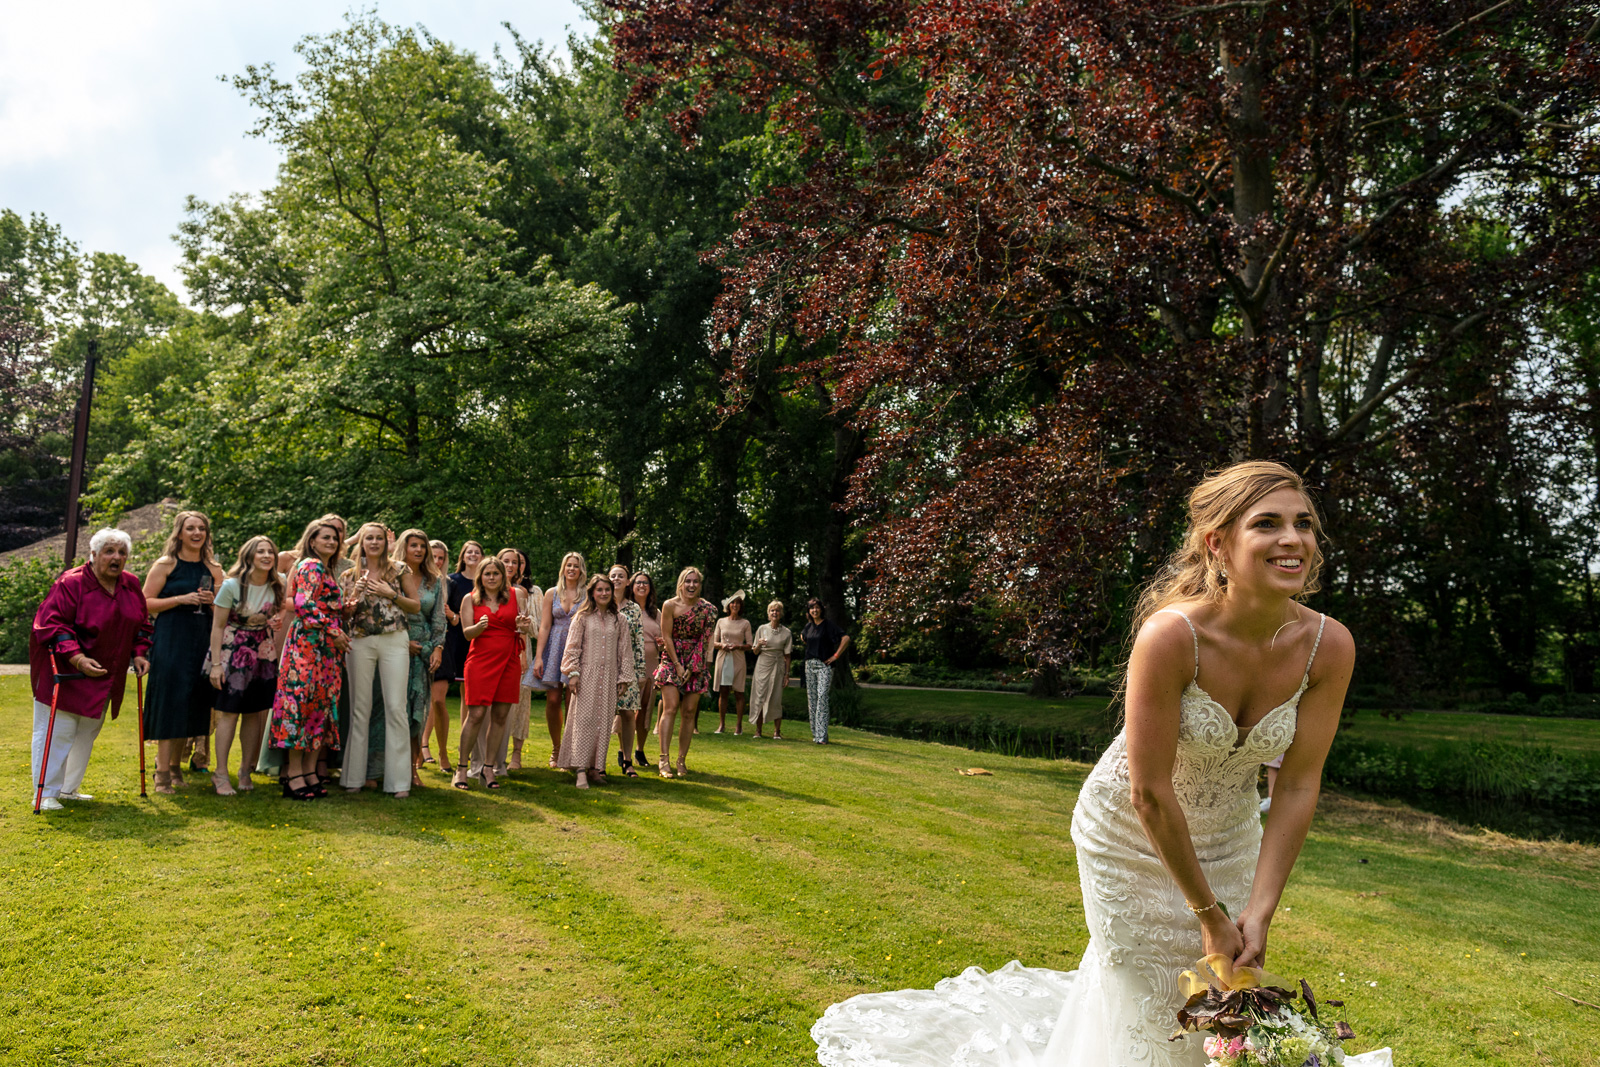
669 647
468 606
1294 797
572 659
156 581
1161 666
219 623
404 598
844 643
546 620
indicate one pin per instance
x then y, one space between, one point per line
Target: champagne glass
205 587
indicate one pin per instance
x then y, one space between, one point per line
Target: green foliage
23 585
1502 771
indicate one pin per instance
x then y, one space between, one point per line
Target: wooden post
80 446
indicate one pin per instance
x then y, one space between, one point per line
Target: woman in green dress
179 591
422 582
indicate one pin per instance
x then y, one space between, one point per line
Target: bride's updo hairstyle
1215 505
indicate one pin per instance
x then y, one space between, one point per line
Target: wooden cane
138 687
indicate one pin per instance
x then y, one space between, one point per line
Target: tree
1057 259
398 359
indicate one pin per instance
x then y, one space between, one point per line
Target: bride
1228 670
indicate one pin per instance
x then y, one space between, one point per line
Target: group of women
341 651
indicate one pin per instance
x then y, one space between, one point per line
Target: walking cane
50 730
138 685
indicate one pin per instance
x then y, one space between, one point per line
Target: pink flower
1213 1045
1234 1047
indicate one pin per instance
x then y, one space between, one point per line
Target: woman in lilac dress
555 617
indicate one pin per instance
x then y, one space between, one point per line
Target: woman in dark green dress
178 592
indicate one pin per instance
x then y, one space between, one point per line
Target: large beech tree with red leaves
1053 260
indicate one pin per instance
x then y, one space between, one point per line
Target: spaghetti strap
1196 635
1305 678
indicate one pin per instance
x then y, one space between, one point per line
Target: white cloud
112 111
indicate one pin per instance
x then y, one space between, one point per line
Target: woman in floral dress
306 708
685 669
243 661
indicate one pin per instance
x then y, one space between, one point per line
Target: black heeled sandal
627 767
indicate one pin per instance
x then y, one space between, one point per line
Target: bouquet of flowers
1250 1020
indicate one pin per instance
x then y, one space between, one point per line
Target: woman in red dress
494 620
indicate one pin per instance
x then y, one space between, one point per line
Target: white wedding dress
1119 1007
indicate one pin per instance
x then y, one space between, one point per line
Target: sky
111 111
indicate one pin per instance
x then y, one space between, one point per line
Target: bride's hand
1253 932
1219 934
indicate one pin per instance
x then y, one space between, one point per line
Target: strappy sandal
627 768
489 780
460 780
683 768
640 759
664 768
175 776
219 782
164 783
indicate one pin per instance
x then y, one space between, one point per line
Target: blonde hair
678 588
358 554
429 575
461 556
561 580
1194 572
175 537
779 605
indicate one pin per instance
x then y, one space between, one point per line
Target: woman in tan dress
774 646
730 641
598 666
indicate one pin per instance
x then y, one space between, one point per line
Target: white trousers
388 656
70 746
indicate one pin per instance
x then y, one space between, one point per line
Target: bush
23 584
1502 771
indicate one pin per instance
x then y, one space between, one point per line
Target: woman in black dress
179 592
455 647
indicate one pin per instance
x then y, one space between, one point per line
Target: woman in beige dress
598 667
774 646
731 640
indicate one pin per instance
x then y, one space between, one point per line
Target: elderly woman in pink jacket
91 625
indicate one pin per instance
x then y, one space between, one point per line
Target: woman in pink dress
598 666
494 620
685 669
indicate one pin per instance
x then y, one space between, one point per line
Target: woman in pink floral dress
685 669
305 712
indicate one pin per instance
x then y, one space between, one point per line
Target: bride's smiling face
1272 547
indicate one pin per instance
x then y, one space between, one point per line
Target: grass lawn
706 921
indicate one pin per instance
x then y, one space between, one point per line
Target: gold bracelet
1208 907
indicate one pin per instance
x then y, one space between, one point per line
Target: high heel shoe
627 768
489 780
290 792
664 768
219 782
460 779
640 759
683 768
315 786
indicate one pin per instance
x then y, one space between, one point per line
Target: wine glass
205 587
